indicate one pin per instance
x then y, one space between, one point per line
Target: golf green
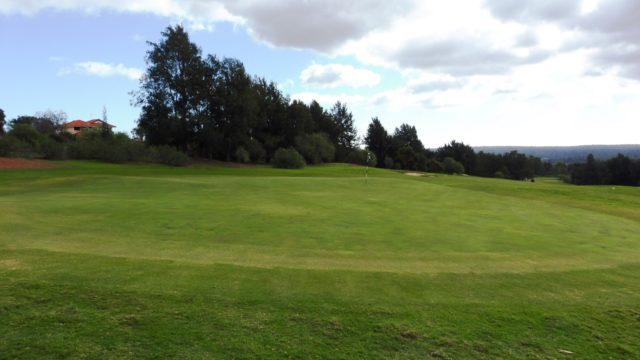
217 261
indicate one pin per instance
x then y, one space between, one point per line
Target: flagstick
366 170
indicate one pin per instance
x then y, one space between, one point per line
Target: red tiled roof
86 124
75 123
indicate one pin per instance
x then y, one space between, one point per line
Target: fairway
146 261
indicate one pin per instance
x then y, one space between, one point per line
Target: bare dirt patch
12 264
17 163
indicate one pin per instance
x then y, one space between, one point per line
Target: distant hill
568 154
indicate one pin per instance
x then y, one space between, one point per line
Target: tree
271 116
518 166
2 121
451 166
407 157
621 171
490 165
407 135
461 153
589 173
40 124
315 148
345 132
47 122
377 141
323 121
172 90
592 173
105 129
239 112
299 122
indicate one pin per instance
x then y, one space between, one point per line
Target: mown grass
139 261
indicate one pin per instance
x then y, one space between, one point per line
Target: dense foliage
568 154
208 107
288 158
2 120
211 108
42 136
404 150
620 170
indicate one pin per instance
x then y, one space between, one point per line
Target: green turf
141 261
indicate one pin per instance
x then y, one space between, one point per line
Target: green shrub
388 162
27 134
450 166
5 146
169 156
288 158
257 153
12 146
8 145
242 155
315 148
53 150
434 165
116 153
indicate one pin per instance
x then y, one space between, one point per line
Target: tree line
212 108
620 170
402 149
42 135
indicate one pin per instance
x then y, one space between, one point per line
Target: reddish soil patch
17 163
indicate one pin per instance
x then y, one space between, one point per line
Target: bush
169 156
9 145
242 155
5 146
12 146
288 158
362 157
53 150
434 165
407 157
315 148
256 151
27 134
113 154
451 166
388 162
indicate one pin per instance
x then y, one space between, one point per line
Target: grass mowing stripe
138 261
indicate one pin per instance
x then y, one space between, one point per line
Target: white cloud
320 25
198 14
458 37
96 68
335 75
515 64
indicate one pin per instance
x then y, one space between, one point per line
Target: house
75 127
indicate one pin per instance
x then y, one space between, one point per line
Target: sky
485 72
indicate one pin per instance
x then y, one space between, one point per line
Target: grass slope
144 261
